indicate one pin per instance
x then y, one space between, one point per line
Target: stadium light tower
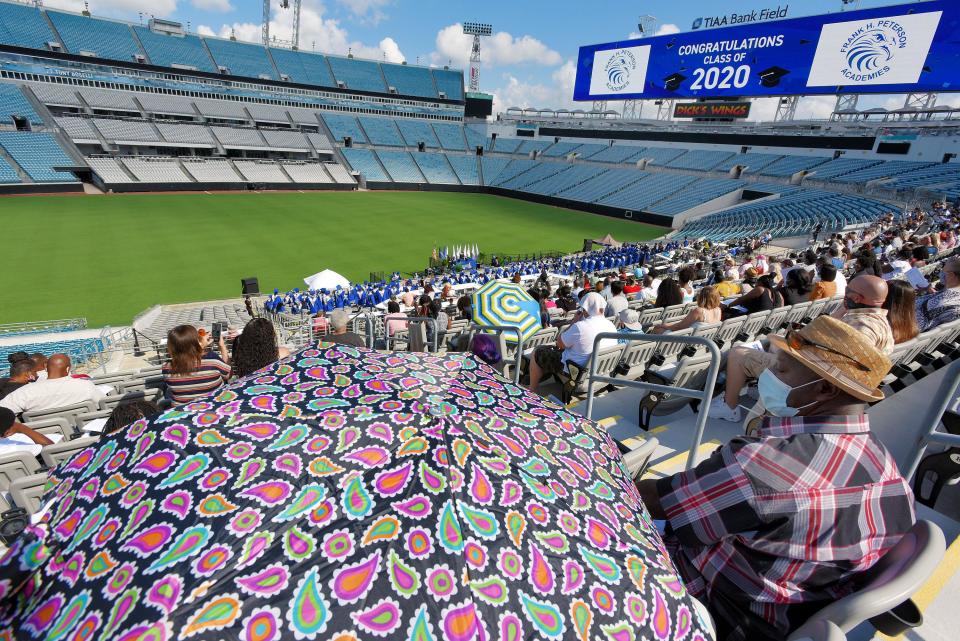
284 4
477 30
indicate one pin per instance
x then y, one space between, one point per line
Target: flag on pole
434 254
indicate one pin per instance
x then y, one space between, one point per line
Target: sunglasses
796 341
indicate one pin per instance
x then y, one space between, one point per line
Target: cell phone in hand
215 332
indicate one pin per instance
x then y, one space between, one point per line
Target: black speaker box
251 286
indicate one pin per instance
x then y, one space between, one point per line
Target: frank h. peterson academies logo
871 51
621 64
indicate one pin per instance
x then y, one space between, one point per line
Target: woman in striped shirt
193 371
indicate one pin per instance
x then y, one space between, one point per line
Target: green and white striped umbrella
503 303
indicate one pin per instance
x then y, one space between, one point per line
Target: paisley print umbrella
346 494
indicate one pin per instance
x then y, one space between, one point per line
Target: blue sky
528 62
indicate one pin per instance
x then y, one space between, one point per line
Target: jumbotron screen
897 49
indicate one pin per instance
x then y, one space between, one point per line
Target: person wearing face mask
773 527
58 390
21 373
863 310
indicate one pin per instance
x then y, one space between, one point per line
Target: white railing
42 327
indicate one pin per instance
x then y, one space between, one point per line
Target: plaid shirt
770 528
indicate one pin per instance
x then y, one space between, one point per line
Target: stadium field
109 257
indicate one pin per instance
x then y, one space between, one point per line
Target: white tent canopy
327 279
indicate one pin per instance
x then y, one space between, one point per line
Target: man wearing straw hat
771 528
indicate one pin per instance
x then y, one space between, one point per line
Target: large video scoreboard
897 49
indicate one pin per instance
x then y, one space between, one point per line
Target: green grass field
107 258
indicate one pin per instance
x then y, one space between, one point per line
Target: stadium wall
852 143
603 210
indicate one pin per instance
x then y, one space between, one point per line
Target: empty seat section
126 130
588 150
789 165
188 134
696 194
14 103
102 38
320 142
618 154
8 175
475 138
159 104
211 170
364 161
268 113
753 163
505 145
77 128
409 81
339 173
574 175
417 131
941 174
37 154
528 146
400 166
883 170
23 26
699 159
450 136
109 170
648 191
603 184
661 155
561 149
280 139
54 95
223 109
449 82
265 172
241 59
538 172
311 172
842 166
492 167
436 169
109 100
466 168
303 67
156 170
770 188
361 75
343 126
381 131
238 137
513 170
168 50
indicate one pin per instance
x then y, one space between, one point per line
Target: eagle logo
871 50
619 68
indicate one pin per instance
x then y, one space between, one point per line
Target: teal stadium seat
14 103
449 82
23 26
168 50
361 75
409 81
303 67
37 154
242 59
105 38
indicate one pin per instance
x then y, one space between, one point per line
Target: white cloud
667 29
223 6
367 10
117 8
204 30
316 32
501 49
558 94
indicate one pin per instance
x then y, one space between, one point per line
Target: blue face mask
774 394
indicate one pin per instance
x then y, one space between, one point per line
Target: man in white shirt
618 302
58 390
576 343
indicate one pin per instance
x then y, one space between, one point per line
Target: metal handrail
392 339
499 329
948 392
704 395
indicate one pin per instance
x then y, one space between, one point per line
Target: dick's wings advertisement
897 49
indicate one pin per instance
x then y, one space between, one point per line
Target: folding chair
26 492
573 382
690 373
52 426
69 412
16 465
57 453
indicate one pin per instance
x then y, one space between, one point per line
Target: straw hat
840 354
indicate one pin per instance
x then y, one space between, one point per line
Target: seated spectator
763 297
464 308
58 390
194 370
408 298
339 319
685 276
394 321
128 412
21 373
797 286
442 323
649 293
628 321
943 307
39 366
761 549
16 437
706 311
256 348
901 306
749 280
575 345
725 287
618 302
825 287
320 323
565 299
632 288
863 309
669 293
